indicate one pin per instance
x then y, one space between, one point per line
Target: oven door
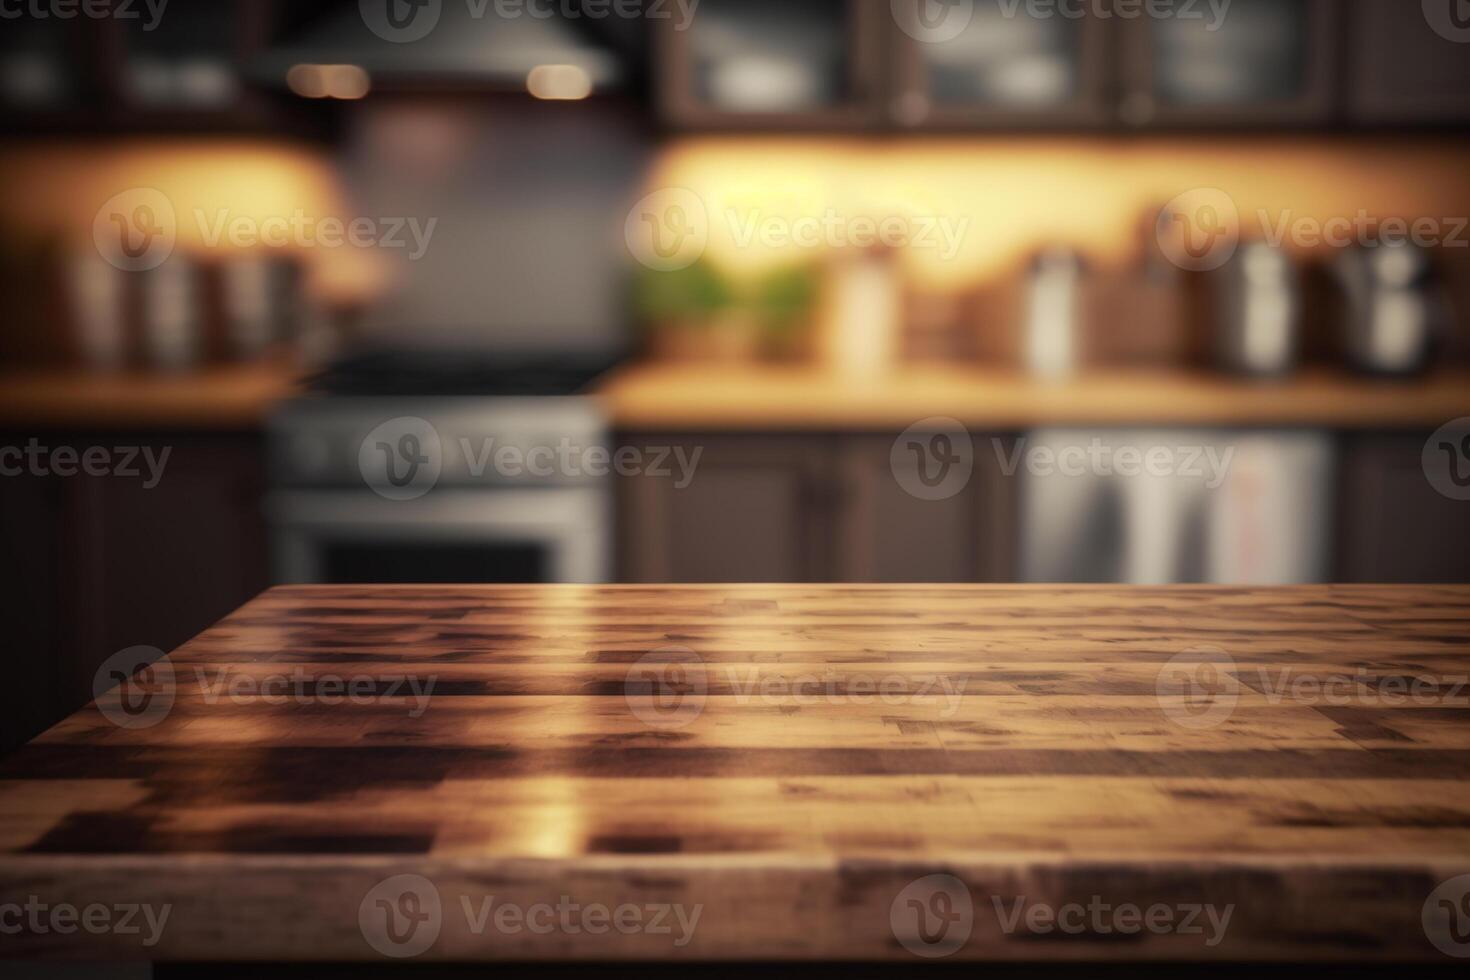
546 535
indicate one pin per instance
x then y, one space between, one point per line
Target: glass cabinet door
773 62
998 62
1255 61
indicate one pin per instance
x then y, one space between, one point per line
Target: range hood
474 44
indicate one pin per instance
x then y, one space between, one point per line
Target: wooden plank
794 763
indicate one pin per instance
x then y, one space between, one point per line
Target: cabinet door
1394 526
1258 62
773 64
891 530
37 585
1410 61
1000 64
169 561
755 510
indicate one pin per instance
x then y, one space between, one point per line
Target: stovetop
453 373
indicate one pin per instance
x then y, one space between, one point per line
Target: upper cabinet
936 65
992 64
1251 62
179 66
1411 62
774 63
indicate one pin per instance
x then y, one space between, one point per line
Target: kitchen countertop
238 396
675 397
790 763
709 398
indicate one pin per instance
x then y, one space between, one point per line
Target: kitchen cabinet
998 68
887 534
772 63
1407 68
182 68
811 508
107 563
757 510
918 66
1393 525
1263 62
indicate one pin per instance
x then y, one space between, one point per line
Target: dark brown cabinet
773 63
920 65
146 68
1255 62
1394 527
887 534
107 563
757 510
1410 61
811 508
991 65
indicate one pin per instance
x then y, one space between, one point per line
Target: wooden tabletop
725 397
764 773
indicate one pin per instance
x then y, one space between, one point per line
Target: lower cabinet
814 508
101 563
857 508
1395 527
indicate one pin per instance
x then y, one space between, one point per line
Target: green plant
688 296
783 298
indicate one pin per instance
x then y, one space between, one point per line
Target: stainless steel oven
416 490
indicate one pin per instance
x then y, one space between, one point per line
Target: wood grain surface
674 397
768 773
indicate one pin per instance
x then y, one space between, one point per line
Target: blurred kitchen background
576 221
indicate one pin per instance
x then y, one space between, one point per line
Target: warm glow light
307 81
347 82
1002 200
328 81
559 82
